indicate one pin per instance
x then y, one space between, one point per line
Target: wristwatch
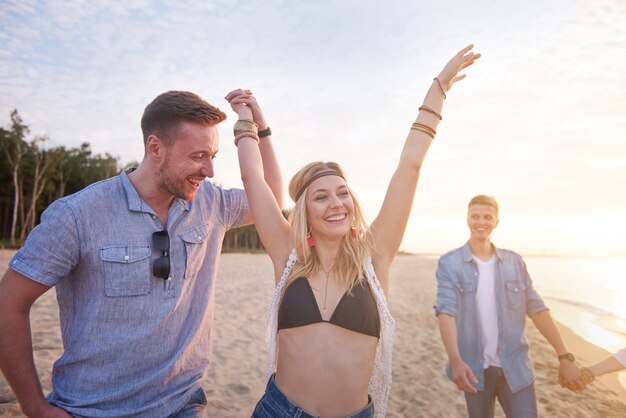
567 356
265 132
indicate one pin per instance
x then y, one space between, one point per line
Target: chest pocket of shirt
515 294
464 289
126 270
196 242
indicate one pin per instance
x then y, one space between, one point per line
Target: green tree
14 148
32 176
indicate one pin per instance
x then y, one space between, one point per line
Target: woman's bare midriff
325 369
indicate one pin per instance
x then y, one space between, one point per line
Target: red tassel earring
310 241
353 231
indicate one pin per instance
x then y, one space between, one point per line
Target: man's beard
172 185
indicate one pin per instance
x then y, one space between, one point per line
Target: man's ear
154 148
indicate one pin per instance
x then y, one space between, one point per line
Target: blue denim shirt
134 345
457 282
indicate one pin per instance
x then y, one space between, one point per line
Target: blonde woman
330 331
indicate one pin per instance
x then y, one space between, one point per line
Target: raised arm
273 228
389 226
271 169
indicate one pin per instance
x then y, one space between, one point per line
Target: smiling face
189 160
481 220
329 208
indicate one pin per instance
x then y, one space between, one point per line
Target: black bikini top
357 312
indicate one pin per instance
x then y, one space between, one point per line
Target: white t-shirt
488 310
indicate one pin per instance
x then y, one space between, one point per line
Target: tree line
32 176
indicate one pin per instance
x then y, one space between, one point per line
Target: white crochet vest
380 381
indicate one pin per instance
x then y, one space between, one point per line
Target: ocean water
588 295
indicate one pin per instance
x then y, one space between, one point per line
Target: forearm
418 142
608 365
390 224
427 121
271 169
434 101
17 363
267 164
250 161
447 329
546 326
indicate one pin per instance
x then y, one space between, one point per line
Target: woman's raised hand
246 106
450 73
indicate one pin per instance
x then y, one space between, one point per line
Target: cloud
540 116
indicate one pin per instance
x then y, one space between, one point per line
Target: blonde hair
482 199
354 251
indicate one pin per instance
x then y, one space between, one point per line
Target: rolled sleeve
51 250
233 206
237 204
446 292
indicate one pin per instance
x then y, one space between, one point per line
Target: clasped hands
246 106
573 377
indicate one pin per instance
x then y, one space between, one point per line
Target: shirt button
475 273
199 237
516 289
126 257
153 216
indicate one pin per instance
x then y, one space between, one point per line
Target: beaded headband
315 177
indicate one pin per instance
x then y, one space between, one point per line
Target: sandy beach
236 378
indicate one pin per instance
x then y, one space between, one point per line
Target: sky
539 122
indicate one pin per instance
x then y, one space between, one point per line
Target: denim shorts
275 404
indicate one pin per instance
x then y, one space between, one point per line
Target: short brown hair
482 199
163 116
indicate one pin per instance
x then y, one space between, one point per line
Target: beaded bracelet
443 93
429 110
246 135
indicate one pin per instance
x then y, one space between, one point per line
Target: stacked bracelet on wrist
429 110
244 125
246 134
424 128
443 93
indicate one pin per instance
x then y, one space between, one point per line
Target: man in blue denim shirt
133 259
483 296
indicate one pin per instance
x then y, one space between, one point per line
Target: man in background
483 296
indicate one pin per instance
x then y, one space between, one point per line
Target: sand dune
236 379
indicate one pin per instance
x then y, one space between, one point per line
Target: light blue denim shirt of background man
133 259
461 320
457 279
